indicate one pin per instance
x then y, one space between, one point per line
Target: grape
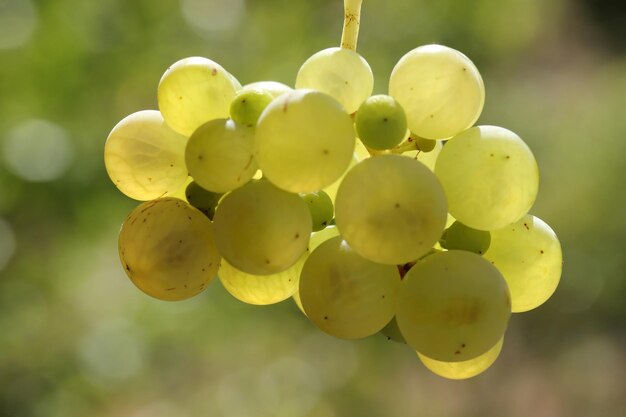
459 236
273 87
180 192
219 155
260 229
341 73
427 158
490 177
381 122
346 295
144 157
392 332
248 105
304 141
193 91
528 254
203 200
261 289
425 145
440 90
453 306
321 207
168 249
464 369
317 238
331 190
391 209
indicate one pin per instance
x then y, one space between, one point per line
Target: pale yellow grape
180 192
168 249
260 229
344 294
391 209
464 369
339 72
219 155
261 289
331 190
317 238
273 87
304 141
193 91
490 177
427 158
453 306
528 254
440 90
144 158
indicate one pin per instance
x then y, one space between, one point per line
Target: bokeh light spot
210 16
38 150
18 21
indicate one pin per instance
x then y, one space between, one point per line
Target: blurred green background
76 337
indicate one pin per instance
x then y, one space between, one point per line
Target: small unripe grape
426 145
248 105
203 200
459 236
381 122
321 207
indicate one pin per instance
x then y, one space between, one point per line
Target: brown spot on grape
325 317
189 217
383 296
214 71
541 251
325 151
297 235
180 241
324 223
203 269
397 205
171 165
180 97
508 157
150 179
491 155
431 116
385 119
267 261
462 345
458 352
170 289
526 226
185 285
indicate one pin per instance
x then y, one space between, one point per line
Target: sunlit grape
321 207
381 122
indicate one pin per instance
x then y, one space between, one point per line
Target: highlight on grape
387 214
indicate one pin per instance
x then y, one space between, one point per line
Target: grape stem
406 146
351 21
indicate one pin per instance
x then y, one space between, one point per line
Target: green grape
248 105
346 295
459 236
490 177
440 90
219 155
168 249
392 332
453 306
528 254
144 157
464 369
321 207
304 141
317 238
381 122
425 145
427 158
260 229
203 200
273 87
261 289
339 72
193 91
391 209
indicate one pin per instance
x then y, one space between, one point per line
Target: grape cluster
383 214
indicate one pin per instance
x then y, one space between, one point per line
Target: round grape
203 200
248 105
381 122
459 236
321 207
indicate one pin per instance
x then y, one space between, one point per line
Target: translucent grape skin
490 177
304 141
247 106
453 306
440 90
194 91
168 249
464 369
380 122
275 88
321 207
529 256
390 209
344 294
261 289
220 155
459 236
339 72
203 200
144 157
260 229
427 158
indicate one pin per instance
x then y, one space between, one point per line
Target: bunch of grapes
386 214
